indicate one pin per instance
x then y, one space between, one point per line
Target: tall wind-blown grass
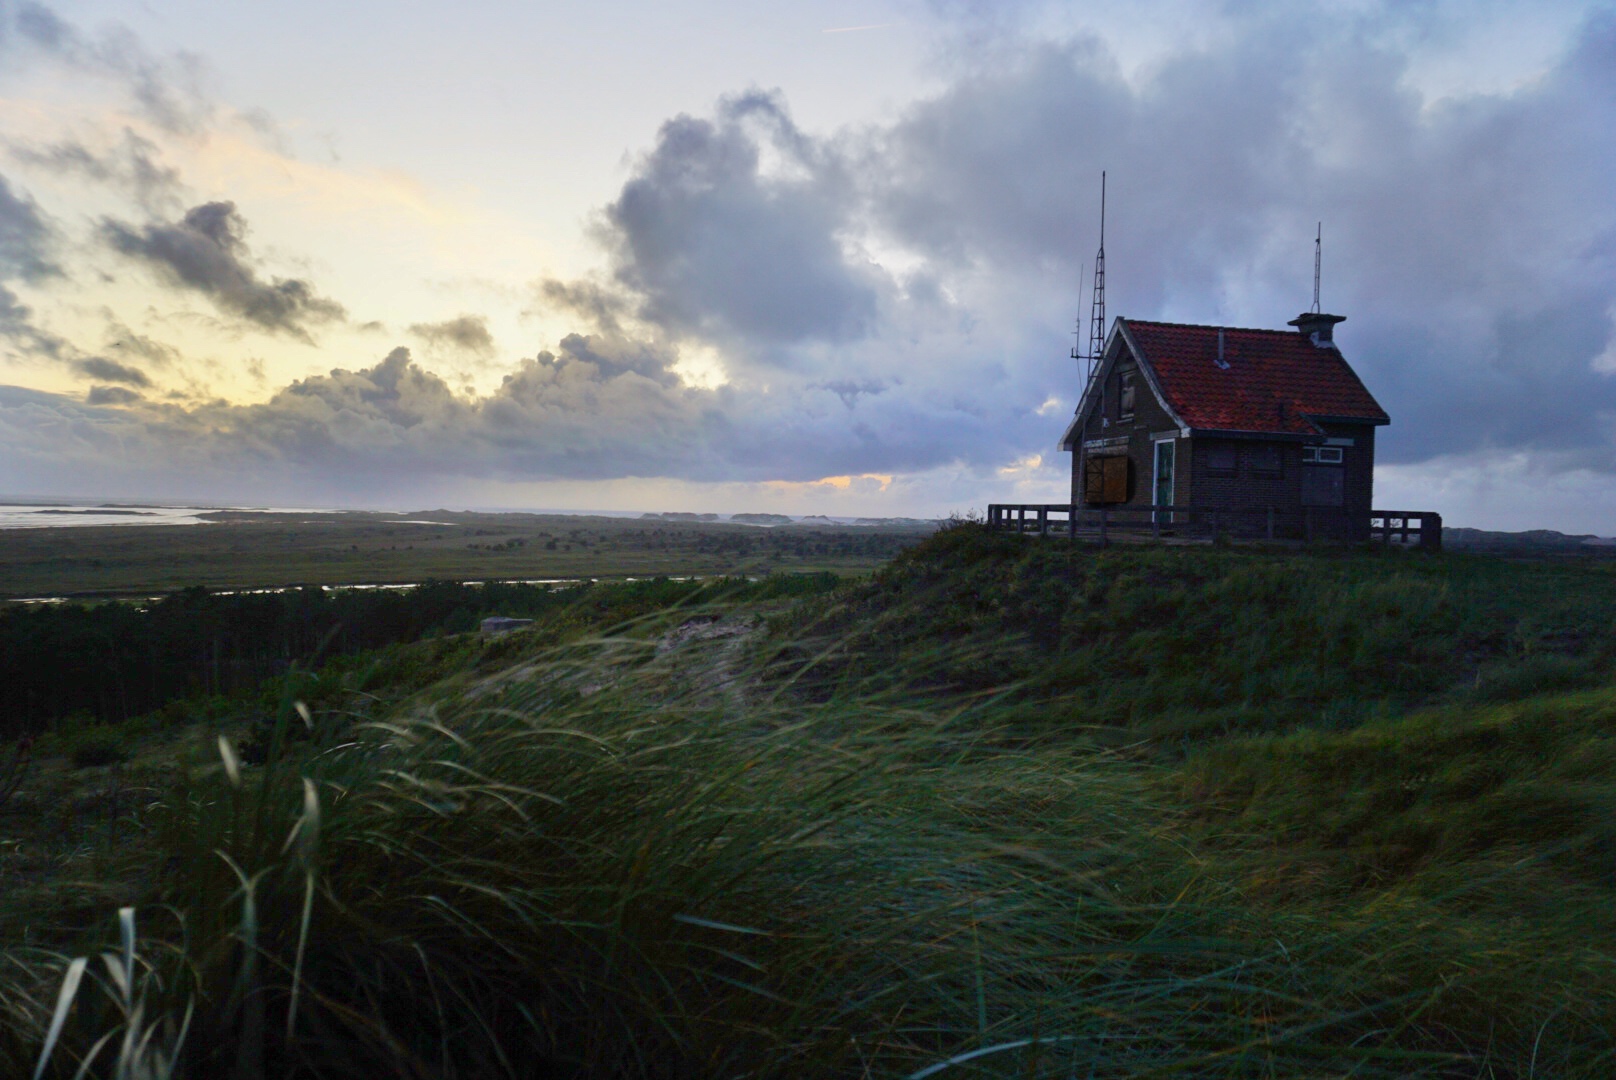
598 864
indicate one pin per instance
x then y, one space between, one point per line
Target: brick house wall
1108 423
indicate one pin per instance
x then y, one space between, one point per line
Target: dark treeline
113 661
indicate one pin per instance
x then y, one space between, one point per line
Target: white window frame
1155 473
1323 455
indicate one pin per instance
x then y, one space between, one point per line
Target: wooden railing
1422 526
1419 528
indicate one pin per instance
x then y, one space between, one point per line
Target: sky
724 256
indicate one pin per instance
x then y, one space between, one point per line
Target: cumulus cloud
99 367
206 251
711 241
464 333
593 409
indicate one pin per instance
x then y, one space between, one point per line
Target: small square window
1264 458
1221 459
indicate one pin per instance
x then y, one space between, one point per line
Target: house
1229 419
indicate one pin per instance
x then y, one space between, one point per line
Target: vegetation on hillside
1187 642
110 662
1007 808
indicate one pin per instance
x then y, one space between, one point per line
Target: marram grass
742 857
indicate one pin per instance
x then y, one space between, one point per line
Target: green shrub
95 746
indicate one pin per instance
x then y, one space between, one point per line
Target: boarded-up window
1220 459
1264 458
1105 480
1324 485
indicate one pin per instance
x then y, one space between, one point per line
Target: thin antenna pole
1077 331
1318 263
1097 301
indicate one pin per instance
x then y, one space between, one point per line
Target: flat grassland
246 549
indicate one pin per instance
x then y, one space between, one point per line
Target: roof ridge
1208 326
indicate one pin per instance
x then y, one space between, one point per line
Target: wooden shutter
1107 480
1094 479
1116 479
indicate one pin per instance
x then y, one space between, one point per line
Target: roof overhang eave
1376 421
1244 433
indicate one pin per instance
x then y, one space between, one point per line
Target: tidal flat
241 549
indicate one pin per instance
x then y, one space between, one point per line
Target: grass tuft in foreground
582 871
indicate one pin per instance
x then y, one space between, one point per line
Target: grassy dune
1004 809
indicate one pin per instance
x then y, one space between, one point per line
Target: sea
57 515
47 514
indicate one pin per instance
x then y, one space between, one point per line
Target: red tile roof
1275 379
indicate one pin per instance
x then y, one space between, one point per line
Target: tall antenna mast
1097 303
1318 262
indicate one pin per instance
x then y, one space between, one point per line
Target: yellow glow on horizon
840 483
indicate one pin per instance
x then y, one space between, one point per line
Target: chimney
1317 327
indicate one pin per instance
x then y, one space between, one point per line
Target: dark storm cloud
465 333
110 395
25 241
712 242
167 91
600 306
849 390
18 327
1470 241
206 251
99 367
133 166
24 238
1467 240
126 342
